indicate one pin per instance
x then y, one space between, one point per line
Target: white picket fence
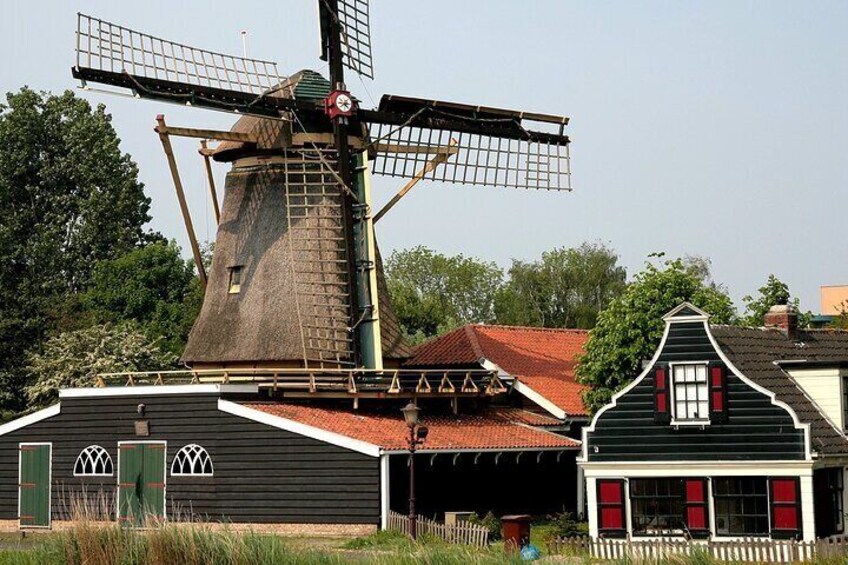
462 533
746 550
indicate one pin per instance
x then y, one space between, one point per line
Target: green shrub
490 522
565 525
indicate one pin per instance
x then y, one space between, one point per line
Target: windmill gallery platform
299 451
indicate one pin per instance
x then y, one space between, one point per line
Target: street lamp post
417 435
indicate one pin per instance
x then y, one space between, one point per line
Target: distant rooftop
543 359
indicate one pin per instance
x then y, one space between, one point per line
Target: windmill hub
339 103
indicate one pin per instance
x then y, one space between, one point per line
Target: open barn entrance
504 482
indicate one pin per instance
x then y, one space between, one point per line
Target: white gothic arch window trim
93 461
192 461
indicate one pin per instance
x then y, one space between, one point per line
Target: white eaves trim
29 419
543 402
157 390
725 468
526 391
299 428
448 450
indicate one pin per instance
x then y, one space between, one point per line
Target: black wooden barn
224 452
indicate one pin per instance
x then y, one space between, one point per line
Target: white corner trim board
299 428
156 390
24 421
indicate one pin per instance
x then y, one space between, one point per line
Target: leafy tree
566 289
152 285
840 321
432 293
774 292
74 359
68 198
630 329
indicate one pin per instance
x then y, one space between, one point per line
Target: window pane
657 506
741 505
690 392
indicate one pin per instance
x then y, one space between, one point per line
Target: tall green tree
153 286
630 329
69 197
773 293
567 288
432 293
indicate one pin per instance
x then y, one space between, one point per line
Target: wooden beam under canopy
219 135
163 131
204 152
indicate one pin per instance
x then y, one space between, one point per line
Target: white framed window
192 460
690 393
93 461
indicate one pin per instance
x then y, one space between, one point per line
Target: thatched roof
303 85
262 322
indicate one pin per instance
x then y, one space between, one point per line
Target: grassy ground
200 545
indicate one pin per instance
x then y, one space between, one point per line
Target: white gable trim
699 314
705 321
619 394
157 390
798 424
299 428
24 421
526 391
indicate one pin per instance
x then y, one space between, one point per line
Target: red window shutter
696 507
611 522
662 408
718 393
785 498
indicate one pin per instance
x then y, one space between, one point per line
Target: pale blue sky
712 128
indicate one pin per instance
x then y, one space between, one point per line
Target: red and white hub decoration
339 103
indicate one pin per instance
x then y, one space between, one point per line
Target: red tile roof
544 359
492 429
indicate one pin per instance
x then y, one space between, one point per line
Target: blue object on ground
530 553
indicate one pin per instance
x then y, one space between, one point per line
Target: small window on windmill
235 279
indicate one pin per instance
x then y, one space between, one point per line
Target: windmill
296 276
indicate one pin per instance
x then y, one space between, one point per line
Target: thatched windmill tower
296 279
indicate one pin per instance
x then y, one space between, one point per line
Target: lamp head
410 414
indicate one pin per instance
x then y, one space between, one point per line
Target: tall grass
198 544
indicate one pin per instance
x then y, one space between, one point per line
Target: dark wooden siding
262 474
756 429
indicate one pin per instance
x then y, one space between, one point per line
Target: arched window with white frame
93 461
192 460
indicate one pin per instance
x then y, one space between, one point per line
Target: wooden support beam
450 149
204 152
429 167
162 130
220 135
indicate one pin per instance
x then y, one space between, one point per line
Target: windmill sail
157 68
489 146
354 19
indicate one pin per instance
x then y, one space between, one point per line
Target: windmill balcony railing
395 382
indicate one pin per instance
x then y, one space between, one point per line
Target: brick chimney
782 317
